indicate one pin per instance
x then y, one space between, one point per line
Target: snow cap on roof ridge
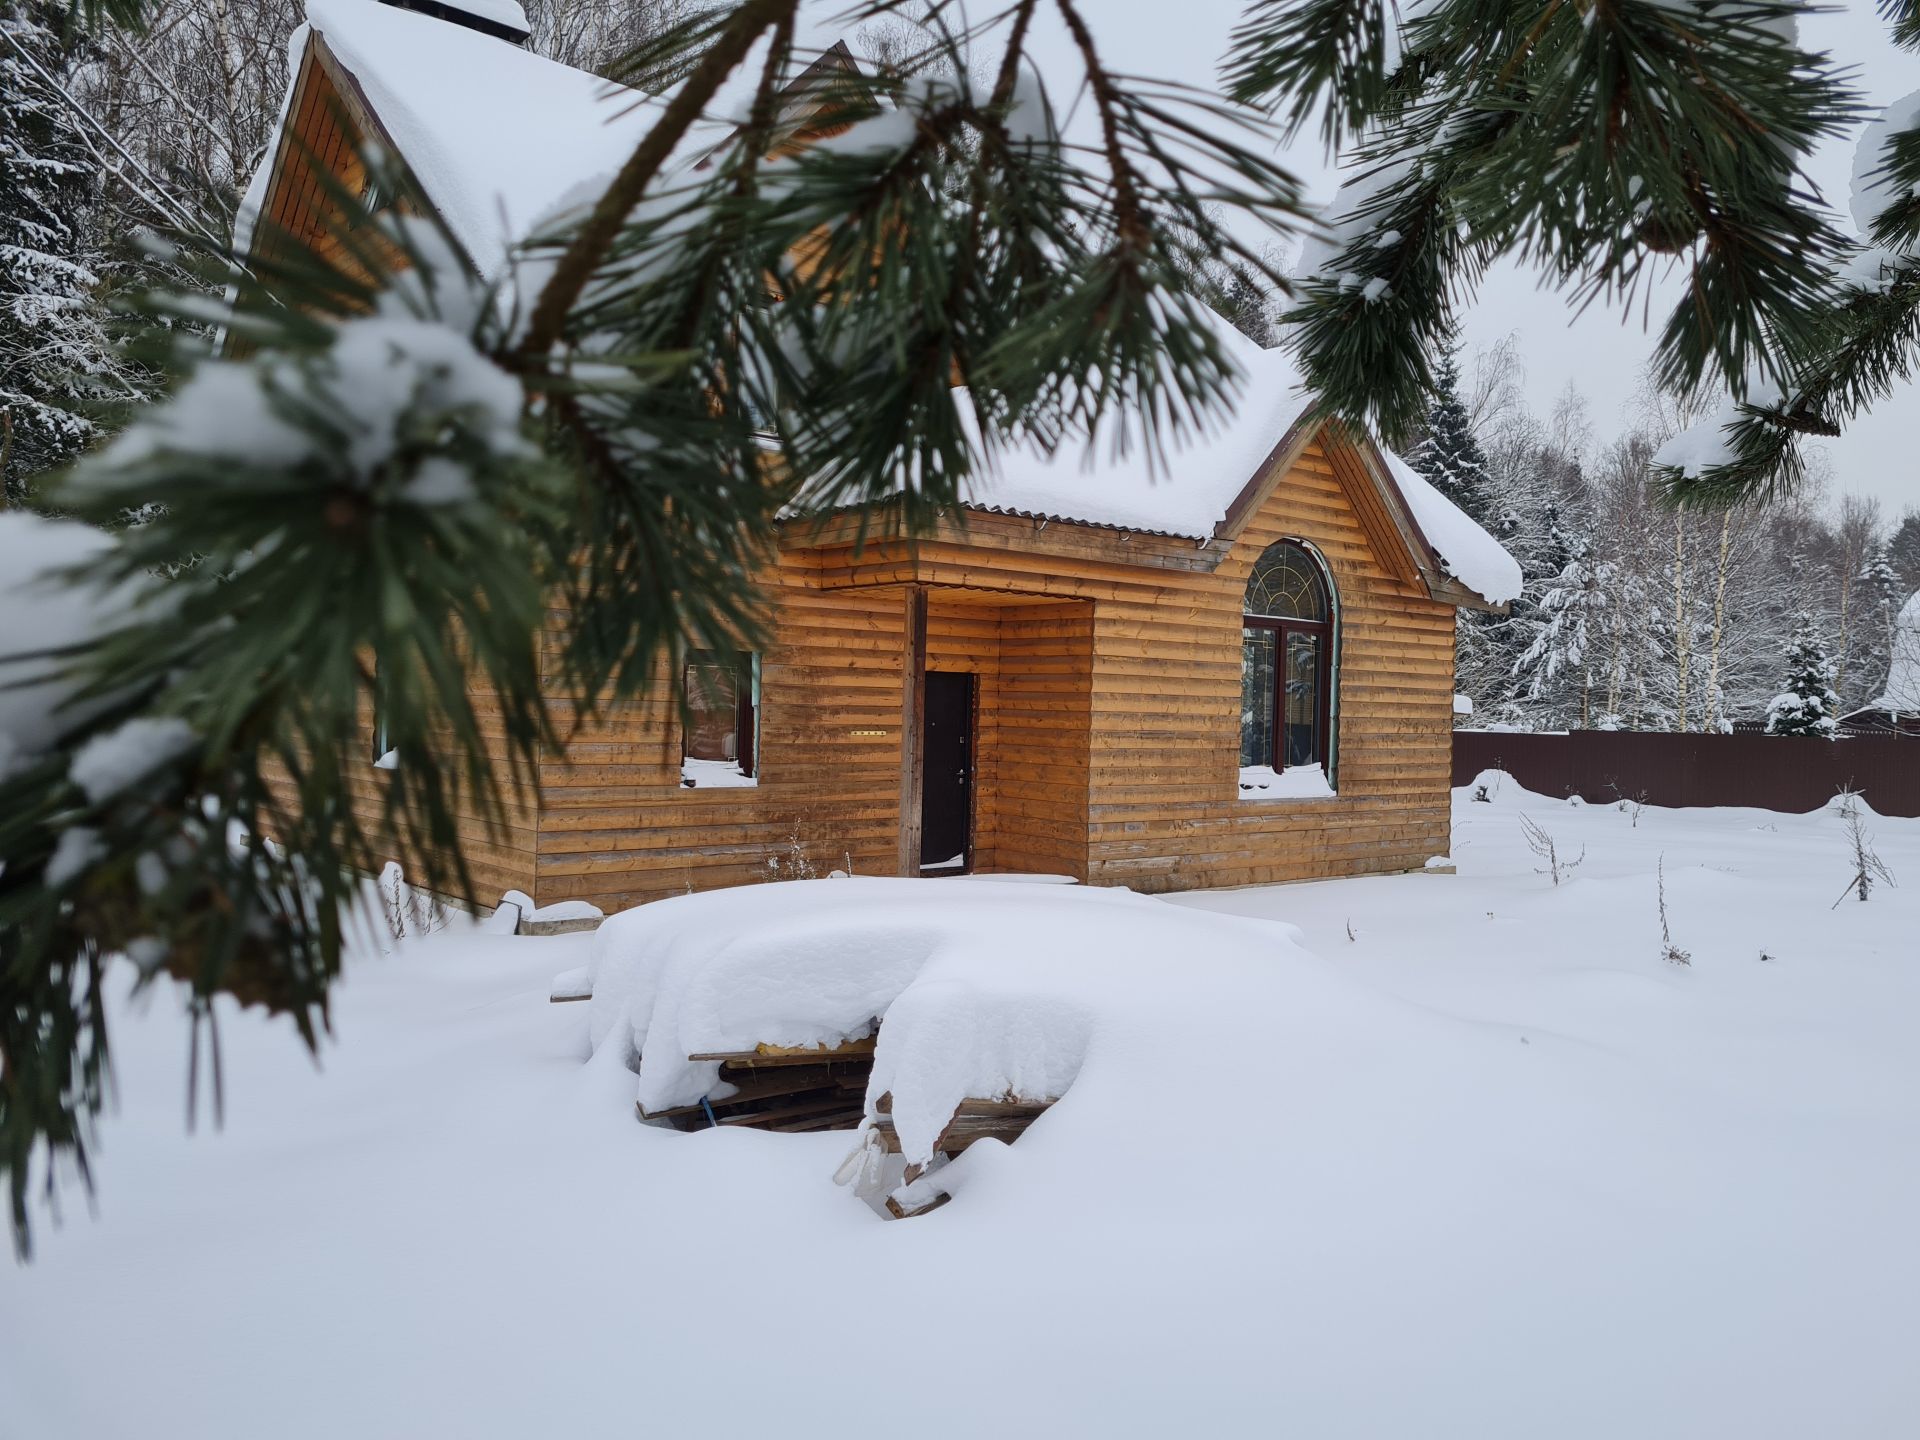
493 133
494 15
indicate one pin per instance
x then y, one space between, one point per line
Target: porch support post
913 705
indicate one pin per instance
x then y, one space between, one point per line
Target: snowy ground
1490 1167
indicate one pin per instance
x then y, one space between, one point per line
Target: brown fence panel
1767 772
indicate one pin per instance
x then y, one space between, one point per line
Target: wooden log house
1238 672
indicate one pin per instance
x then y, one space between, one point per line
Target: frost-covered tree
1879 594
1808 704
57 361
1556 668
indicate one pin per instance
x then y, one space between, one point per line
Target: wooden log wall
1031 805
1107 741
1165 811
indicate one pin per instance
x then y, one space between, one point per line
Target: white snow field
1489 1167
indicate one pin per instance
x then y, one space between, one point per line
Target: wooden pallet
782 1087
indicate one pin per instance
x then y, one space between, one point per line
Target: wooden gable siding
323 136
1165 811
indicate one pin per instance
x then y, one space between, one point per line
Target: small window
1286 676
384 756
721 739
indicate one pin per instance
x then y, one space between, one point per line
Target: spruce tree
1449 455
1557 667
1903 551
57 364
1808 704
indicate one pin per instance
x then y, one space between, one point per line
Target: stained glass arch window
1286 584
1286 674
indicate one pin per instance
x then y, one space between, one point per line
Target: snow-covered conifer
1451 456
1557 666
57 359
1808 704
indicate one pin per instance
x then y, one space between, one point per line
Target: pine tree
1808 704
1450 456
57 364
1587 138
1865 336
1903 551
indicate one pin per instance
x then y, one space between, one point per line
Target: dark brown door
946 791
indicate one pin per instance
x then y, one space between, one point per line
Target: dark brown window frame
1323 678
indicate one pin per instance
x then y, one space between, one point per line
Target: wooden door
946 792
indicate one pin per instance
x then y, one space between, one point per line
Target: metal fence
1767 772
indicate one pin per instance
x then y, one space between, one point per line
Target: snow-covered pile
1296 782
988 989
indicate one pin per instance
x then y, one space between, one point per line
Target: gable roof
498 137
1213 481
495 136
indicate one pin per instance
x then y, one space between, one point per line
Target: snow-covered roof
1464 550
498 138
495 135
1191 494
1901 694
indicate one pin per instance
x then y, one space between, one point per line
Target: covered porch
995 706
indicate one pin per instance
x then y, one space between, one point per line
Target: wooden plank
772 1055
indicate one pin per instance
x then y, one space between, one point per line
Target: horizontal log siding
498 858
617 827
1165 810
1031 806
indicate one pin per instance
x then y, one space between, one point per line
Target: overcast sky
1602 351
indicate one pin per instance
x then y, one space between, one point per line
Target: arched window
1286 668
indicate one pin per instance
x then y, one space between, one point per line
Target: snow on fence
1767 772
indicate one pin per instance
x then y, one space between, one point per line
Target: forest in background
1637 616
